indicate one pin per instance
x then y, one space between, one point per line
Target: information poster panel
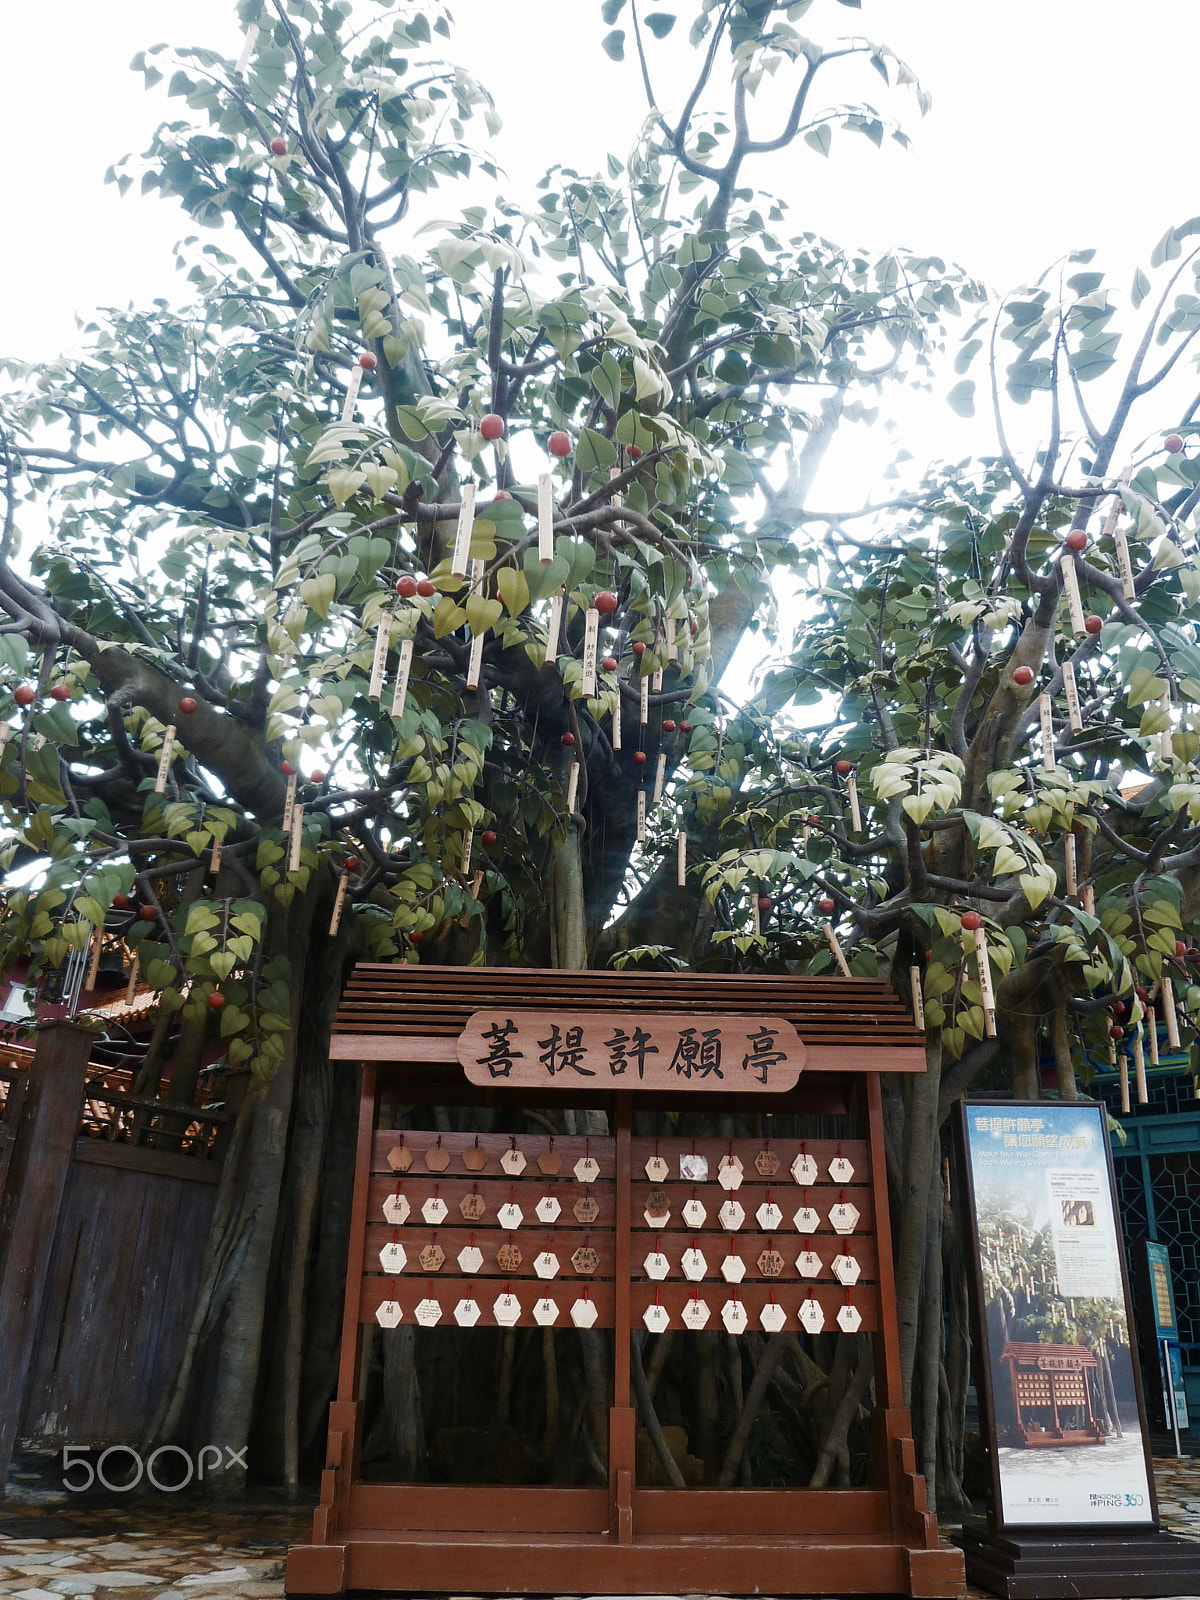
1067 1434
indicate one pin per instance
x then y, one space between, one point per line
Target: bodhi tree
458 526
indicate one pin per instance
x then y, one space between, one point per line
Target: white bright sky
1056 124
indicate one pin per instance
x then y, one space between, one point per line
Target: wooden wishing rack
622 1233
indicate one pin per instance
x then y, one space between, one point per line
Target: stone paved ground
171 1549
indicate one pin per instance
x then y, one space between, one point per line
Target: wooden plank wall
117 1308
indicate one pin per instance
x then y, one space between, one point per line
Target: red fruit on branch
24 695
609 663
350 864
1076 540
825 906
634 452
1143 995
668 724
148 914
606 602
971 920
639 758
1116 1031
287 769
813 822
567 738
416 937
764 903
120 901
492 426
694 626
216 1001
1120 1009
318 776
685 727
1093 623
844 768
501 494
60 692
1173 444
406 587
489 836
368 361
638 647
426 589
559 444
1023 676
188 704
279 145
1180 950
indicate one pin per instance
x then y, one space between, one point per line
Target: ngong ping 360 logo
168 1468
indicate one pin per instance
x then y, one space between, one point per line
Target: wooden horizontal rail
157 1108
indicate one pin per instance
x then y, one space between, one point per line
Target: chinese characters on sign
652 1051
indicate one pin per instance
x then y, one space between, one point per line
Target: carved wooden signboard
638 1050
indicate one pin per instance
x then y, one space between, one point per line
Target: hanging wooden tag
432 1258
672 647
656 1266
693 1263
695 1313
733 1268
772 1317
428 1312
845 1269
509 1257
553 628
985 983
694 1213
396 1210
804 1170
586 1210
1172 1021
510 1215
769 1216
731 1216
545 511
584 1313
352 387
437 1159
849 1319
296 839
660 773
400 1157
657 1169
164 760
545 1312
844 1217
475 663
812 1318
472 1207
475 1157
806 1220
681 859
586 1260
546 1264
1045 712
733 1315
131 986
767 1163
641 816
1139 1064
1074 711
289 802
808 1264
693 1168
730 1173
513 1161
591 644
549 1163
400 692
389 1313
1070 865
918 997
464 865
1071 588
434 1211
587 1169
1123 562
383 638
467 1313
656 1318
657 1210
852 797
644 691
573 788
464 530
838 955
393 1258
548 1209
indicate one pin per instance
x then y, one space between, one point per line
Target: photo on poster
1069 1444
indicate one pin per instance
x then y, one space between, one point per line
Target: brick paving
176 1549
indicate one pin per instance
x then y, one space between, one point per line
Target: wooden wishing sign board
525 1222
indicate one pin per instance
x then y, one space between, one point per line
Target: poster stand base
1057 1564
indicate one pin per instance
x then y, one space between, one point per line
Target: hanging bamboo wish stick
351 400
464 865
1139 1064
641 816
644 686
1123 562
94 964
831 939
475 665
656 680
464 530
248 43
1172 1021
1166 744
573 788
339 901
852 797
383 638
1074 713
672 647
400 692
617 500
1071 865
289 802
5 730
1071 588
1088 896
1045 711
553 629
164 760
918 997
660 773
985 982
616 723
681 858
1152 1034
591 645
131 986
545 508
1123 1061
756 914
296 839
214 864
